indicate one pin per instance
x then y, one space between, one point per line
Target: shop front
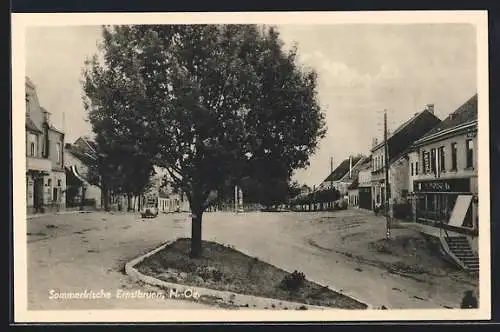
365 198
447 203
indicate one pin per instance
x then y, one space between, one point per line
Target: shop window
54 194
469 145
453 156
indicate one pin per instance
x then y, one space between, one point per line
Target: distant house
340 179
398 145
342 176
169 199
364 185
82 184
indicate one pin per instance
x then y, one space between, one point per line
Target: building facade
365 185
353 194
169 200
443 172
340 179
398 145
82 185
45 175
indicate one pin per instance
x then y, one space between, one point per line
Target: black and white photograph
251 167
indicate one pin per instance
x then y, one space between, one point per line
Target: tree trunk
196 250
129 202
105 195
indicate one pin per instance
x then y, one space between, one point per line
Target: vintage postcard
235 167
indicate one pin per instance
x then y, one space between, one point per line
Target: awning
460 210
74 172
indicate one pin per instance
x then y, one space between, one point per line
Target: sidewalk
39 215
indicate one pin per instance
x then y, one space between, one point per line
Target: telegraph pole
331 181
386 169
235 199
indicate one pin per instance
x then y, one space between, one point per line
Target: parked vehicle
150 209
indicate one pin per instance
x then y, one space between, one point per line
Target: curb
237 299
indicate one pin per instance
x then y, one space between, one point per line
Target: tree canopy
210 103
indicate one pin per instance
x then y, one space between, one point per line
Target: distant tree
210 103
294 189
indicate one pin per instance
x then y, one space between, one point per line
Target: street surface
74 252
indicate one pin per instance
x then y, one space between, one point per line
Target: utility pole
331 182
386 169
235 199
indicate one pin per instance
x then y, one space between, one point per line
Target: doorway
38 194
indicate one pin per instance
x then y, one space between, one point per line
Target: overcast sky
363 69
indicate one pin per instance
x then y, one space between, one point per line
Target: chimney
430 108
46 115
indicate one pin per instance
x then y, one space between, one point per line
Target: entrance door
38 194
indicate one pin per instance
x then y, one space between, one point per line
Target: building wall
353 195
32 105
56 150
91 191
53 183
399 179
461 171
365 177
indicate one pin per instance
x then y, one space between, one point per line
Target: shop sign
471 134
427 163
450 185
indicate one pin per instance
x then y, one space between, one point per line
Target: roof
30 125
410 131
29 82
51 127
83 156
466 113
342 169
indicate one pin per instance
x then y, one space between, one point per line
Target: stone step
467 256
464 254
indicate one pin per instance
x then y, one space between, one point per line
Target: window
58 183
433 160
469 146
423 162
58 152
416 168
441 152
454 156
32 140
411 169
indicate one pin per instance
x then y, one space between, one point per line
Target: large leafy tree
210 103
